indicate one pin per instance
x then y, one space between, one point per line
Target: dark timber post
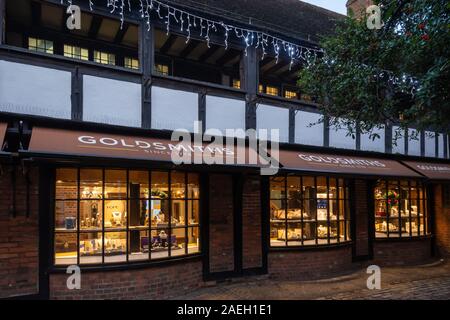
388 138
146 57
250 80
77 95
2 19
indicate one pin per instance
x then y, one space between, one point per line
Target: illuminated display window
290 94
400 209
272 91
105 216
308 211
131 63
236 84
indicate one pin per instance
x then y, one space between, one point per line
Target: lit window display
400 209
105 216
308 211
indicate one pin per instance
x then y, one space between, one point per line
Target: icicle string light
172 16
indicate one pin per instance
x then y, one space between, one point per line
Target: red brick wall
251 223
361 217
159 282
310 264
442 223
405 252
221 228
18 236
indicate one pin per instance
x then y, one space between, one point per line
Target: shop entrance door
229 252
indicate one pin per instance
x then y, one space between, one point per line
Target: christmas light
172 16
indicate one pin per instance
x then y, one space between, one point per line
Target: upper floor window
104 58
236 83
40 45
306 210
289 94
76 52
162 69
400 209
131 63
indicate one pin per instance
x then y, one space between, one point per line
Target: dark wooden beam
208 53
95 26
121 33
36 13
2 15
230 55
291 73
265 62
277 67
168 44
192 45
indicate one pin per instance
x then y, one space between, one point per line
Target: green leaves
372 77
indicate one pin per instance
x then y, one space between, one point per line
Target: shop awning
342 164
3 127
435 171
48 142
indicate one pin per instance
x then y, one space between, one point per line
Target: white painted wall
306 134
377 145
224 113
270 117
441 145
430 144
34 90
413 144
399 145
173 109
339 138
112 101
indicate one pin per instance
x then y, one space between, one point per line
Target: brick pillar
19 235
442 223
252 223
221 225
361 218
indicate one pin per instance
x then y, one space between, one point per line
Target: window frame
423 216
346 216
126 229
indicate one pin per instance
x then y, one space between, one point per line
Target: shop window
104 58
162 69
107 216
131 63
236 83
261 88
400 209
308 211
40 45
76 52
289 94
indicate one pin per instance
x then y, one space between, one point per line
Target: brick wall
18 235
310 264
251 223
404 252
159 282
221 228
359 7
442 223
361 218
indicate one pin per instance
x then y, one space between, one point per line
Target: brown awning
3 127
435 171
341 164
67 143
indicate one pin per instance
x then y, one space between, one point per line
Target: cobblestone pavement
429 282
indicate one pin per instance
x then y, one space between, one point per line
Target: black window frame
187 227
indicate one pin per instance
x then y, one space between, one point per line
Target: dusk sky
334 5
